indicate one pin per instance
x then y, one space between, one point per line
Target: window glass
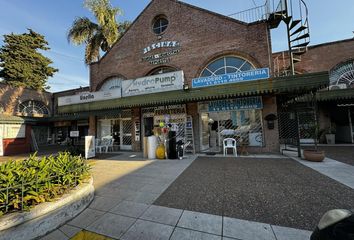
160 25
225 65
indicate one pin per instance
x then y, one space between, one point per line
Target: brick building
197 70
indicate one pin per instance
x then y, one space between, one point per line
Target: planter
331 138
314 155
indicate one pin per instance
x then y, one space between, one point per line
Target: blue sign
236 104
251 75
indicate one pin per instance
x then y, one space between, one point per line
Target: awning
298 84
9 119
338 94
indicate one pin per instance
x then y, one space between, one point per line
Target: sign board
12 131
251 75
235 104
74 133
90 97
153 84
90 148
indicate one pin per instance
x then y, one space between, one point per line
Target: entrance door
126 134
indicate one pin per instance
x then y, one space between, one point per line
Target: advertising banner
251 75
152 84
90 97
235 104
90 148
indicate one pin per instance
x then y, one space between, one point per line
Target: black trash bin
171 145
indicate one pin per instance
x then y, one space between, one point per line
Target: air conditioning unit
338 86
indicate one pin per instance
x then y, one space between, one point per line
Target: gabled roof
181 3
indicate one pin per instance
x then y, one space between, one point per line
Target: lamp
185 87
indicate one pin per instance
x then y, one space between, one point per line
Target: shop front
239 118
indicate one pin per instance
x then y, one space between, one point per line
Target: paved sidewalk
122 209
339 171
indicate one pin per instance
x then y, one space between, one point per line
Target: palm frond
82 30
92 51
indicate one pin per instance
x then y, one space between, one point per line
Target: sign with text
251 75
235 104
90 97
90 148
152 84
74 133
12 131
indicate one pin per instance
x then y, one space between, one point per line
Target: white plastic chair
230 143
110 145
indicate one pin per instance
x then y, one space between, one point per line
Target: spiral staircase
294 13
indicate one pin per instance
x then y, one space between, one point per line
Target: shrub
24 184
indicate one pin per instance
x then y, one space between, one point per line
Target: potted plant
314 155
331 134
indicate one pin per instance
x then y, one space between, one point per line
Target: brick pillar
192 110
271 135
92 126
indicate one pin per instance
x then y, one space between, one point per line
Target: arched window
162 70
32 108
160 24
111 83
227 64
342 75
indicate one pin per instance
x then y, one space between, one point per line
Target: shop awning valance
300 84
9 119
338 94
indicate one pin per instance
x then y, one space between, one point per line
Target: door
126 128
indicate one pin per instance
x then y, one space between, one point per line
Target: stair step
304 44
299 53
296 60
306 35
301 28
287 19
294 23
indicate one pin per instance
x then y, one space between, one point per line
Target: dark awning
299 84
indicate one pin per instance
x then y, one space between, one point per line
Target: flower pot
314 155
331 138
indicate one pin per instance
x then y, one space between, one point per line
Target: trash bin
171 145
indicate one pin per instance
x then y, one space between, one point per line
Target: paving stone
85 218
201 222
145 230
69 231
143 197
130 209
187 234
246 230
56 235
162 215
104 203
284 233
111 225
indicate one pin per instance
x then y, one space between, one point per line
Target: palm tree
101 35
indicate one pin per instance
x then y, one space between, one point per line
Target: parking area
274 191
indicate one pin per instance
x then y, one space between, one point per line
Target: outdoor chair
102 145
110 145
230 143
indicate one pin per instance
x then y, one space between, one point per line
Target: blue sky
329 21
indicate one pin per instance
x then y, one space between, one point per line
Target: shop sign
90 97
90 148
251 75
12 131
74 133
236 104
152 84
173 114
164 57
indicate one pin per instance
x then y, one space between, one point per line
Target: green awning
300 84
9 119
338 94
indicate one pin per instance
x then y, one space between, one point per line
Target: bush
24 184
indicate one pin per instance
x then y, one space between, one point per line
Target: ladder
34 141
189 136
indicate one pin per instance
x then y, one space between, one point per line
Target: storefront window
225 65
240 119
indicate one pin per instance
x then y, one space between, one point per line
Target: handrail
251 15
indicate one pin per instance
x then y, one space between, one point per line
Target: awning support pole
350 125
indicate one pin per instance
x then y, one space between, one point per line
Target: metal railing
15 194
255 14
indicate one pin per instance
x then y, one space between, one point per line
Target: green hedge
24 184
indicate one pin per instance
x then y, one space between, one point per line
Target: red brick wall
202 35
324 57
18 145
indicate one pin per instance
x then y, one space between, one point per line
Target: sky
329 21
